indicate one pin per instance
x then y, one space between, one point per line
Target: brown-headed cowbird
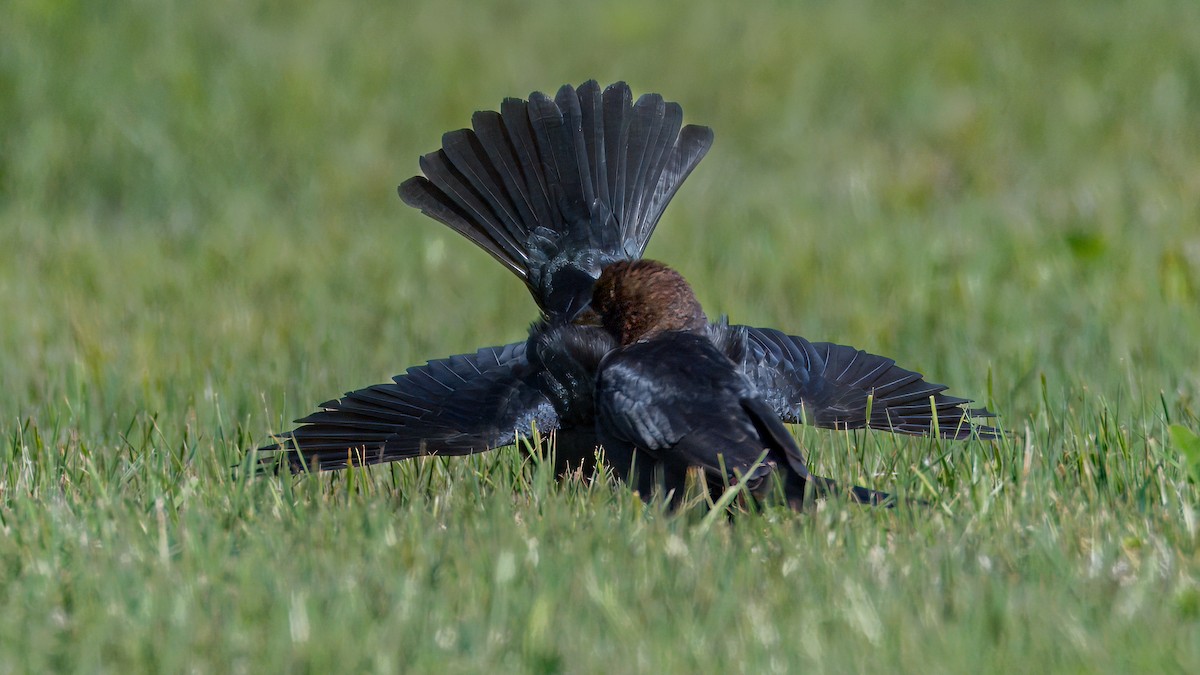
566 191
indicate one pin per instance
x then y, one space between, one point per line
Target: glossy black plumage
453 406
474 402
559 190
828 385
555 189
679 400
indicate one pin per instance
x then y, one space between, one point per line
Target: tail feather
691 146
555 142
467 155
420 193
494 138
591 122
656 161
520 132
451 182
557 188
574 155
618 104
643 131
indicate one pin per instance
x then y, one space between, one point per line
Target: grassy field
201 241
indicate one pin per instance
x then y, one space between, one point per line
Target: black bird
670 395
559 190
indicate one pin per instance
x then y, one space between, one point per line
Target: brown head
642 298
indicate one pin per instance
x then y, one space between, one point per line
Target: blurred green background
193 194
202 240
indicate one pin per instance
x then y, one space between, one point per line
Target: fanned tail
557 188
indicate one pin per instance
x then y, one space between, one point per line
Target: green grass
201 241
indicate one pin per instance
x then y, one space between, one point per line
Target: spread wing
455 406
828 386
